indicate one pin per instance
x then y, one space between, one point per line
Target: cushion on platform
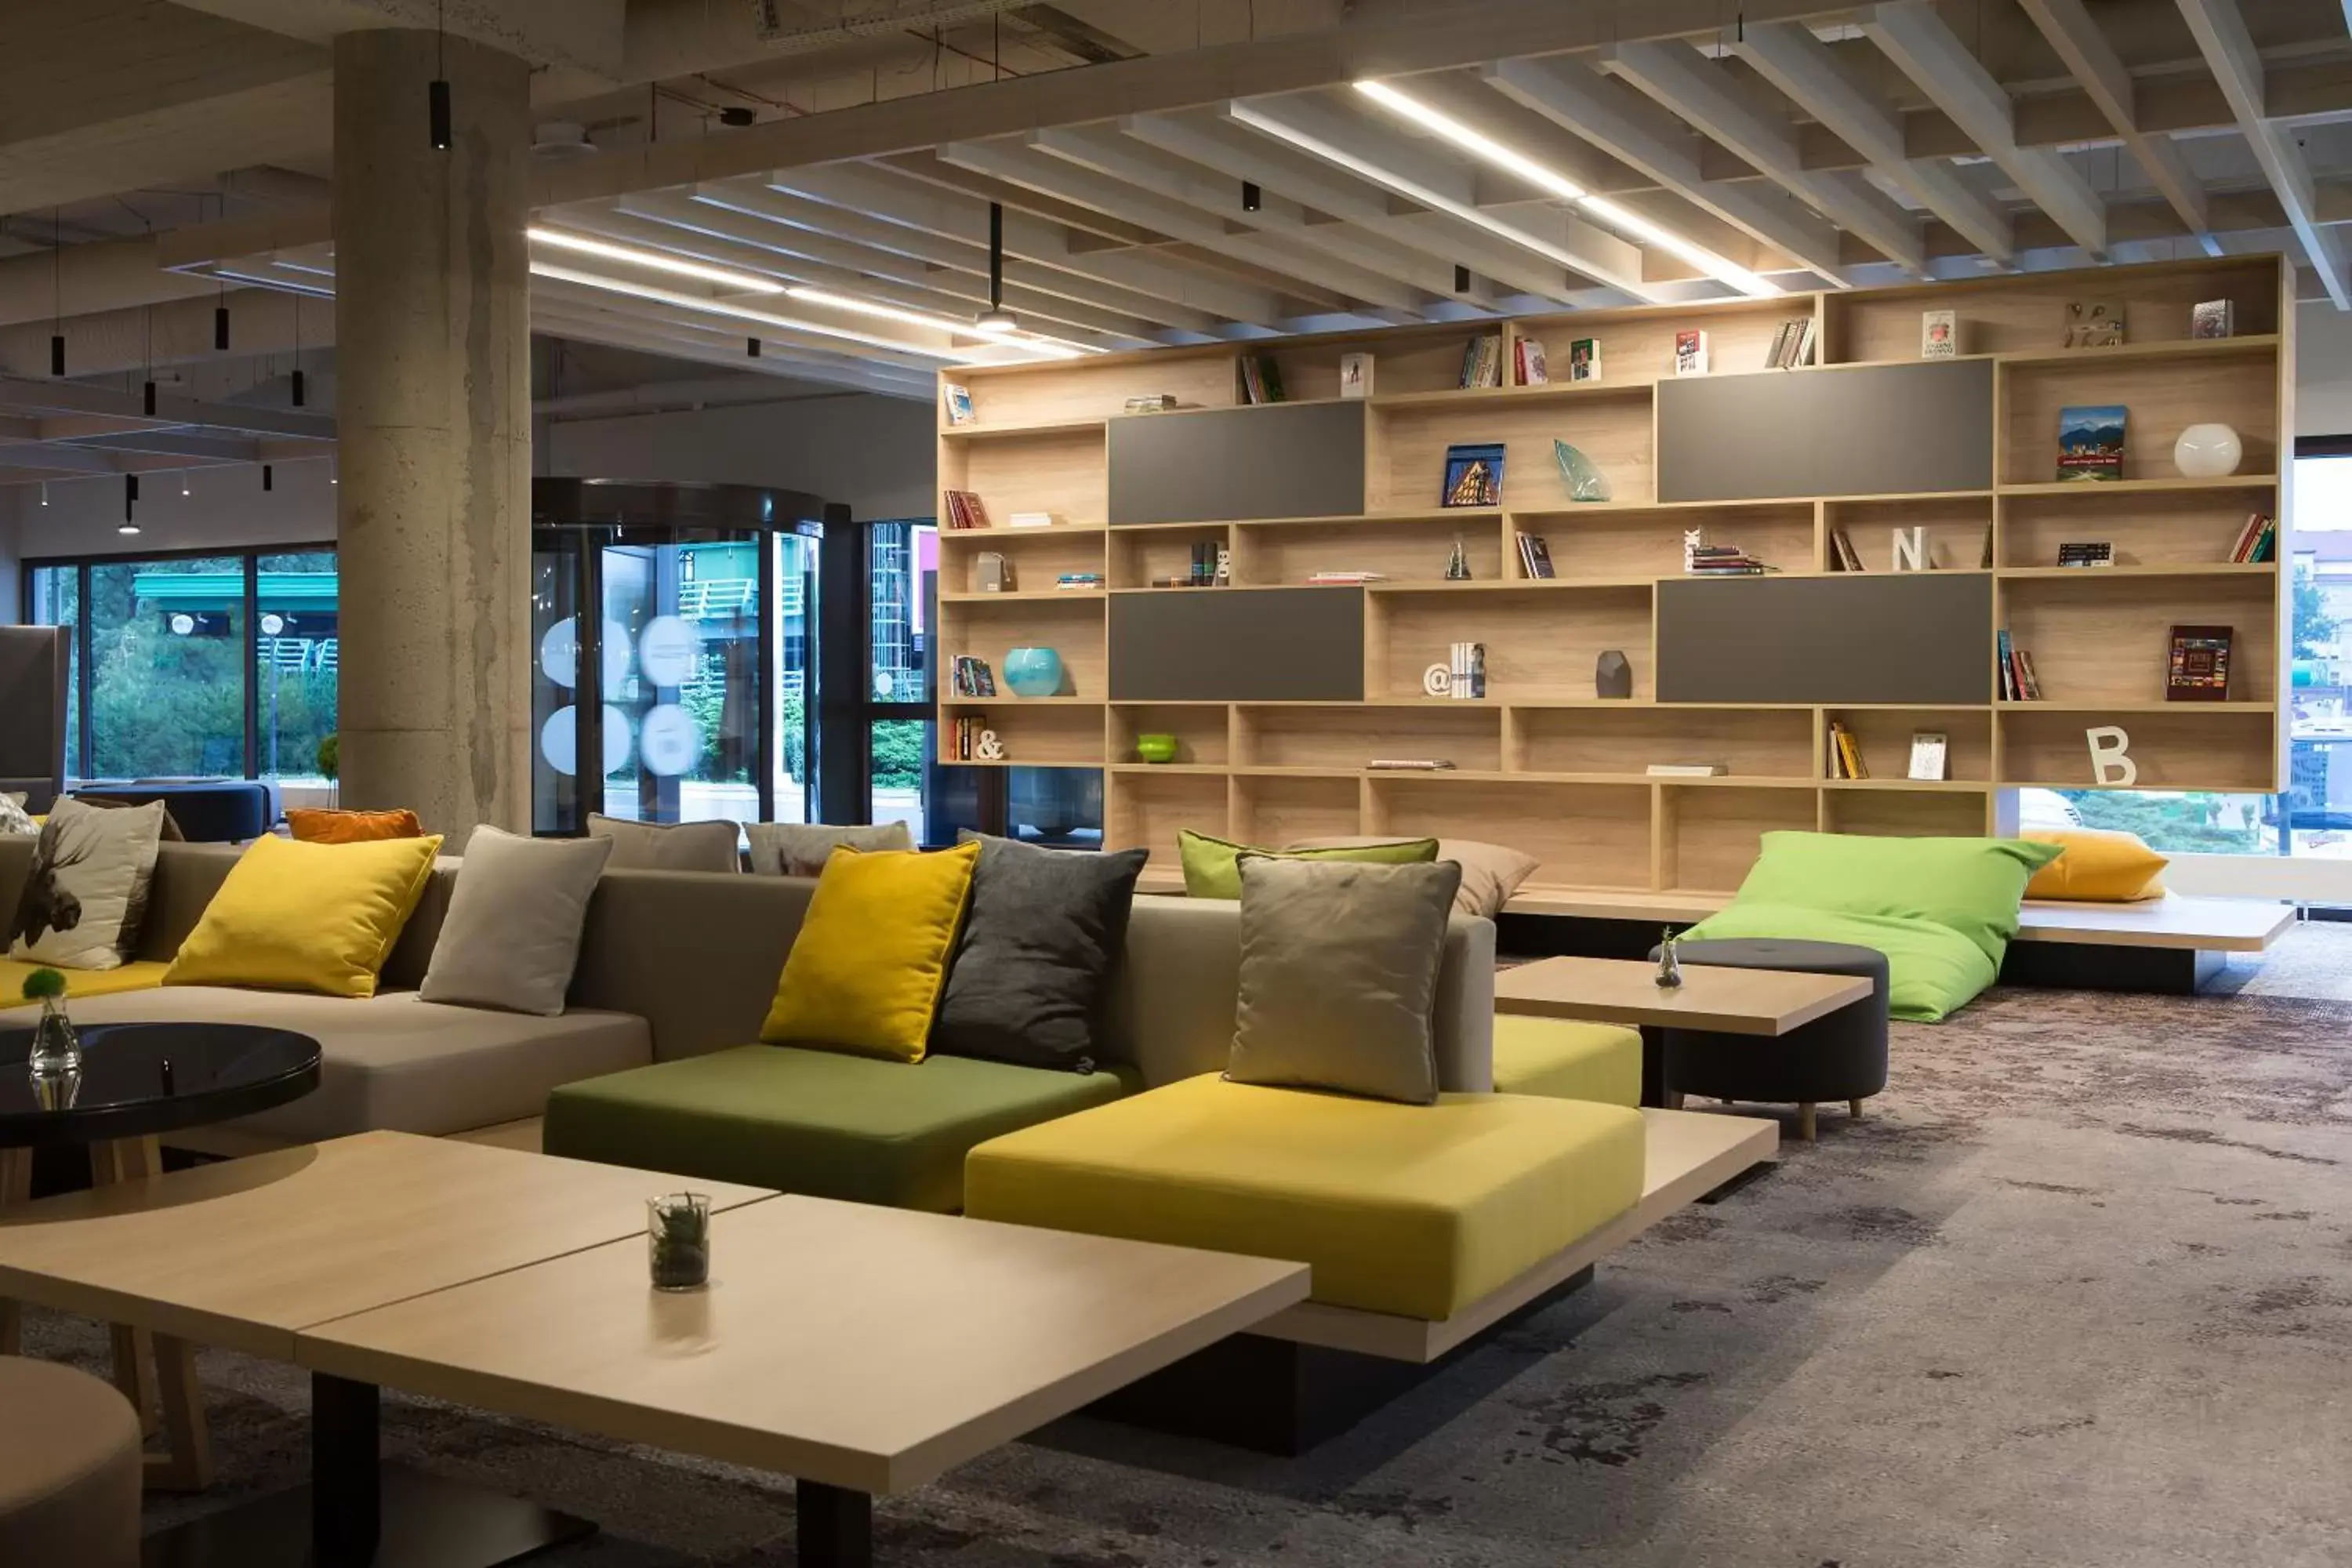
139 974
308 917
866 972
1491 873
1213 869
1971 886
802 848
1567 1058
1418 1210
322 824
818 1123
2098 865
1932 970
511 936
667 846
87 891
1032 969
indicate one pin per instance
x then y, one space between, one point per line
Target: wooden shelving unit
1544 764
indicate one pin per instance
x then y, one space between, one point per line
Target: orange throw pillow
318 825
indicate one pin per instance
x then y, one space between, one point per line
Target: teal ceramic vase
1033 672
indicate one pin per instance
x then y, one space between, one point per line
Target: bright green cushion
820 1123
1971 886
1213 866
1931 969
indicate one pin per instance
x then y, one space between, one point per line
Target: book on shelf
1929 750
2018 681
2213 319
971 677
1585 359
1474 475
2027 682
956 399
1848 559
1528 367
964 510
1151 403
1029 519
1686 770
1261 379
1343 579
2091 441
2004 672
1939 334
1409 765
964 737
1355 375
1722 561
1690 352
1846 753
1481 360
2086 553
2094 324
1535 555
1984 555
1792 345
2199 668
1467 663
1076 582
2257 541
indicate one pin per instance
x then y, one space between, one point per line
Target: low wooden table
859 1349
1623 990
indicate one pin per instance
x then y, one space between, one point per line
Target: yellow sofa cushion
1417 1210
866 972
1564 1058
139 975
307 917
2100 866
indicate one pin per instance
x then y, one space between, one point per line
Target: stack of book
2087 553
1527 361
2258 540
1846 753
1849 559
1076 582
1261 379
1722 561
1343 579
1211 567
1158 403
1792 346
1535 555
1030 519
2018 681
964 737
964 510
1481 360
971 677
1585 359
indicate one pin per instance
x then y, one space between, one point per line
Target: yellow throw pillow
866 972
2100 866
307 917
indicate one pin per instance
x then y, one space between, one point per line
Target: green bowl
1156 748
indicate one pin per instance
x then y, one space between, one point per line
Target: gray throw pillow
14 822
667 846
1339 975
1032 969
511 937
802 848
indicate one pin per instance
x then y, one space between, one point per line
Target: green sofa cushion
820 1123
1213 866
1931 969
1971 886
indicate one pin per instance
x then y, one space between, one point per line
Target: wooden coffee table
859 1349
1625 991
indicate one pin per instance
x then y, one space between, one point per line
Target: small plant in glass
678 1240
56 1049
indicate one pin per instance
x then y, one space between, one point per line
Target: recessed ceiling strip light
736 313
1013 337
1622 219
745 282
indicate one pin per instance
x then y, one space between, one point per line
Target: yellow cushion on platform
866 972
1418 1210
2100 866
307 917
1565 1058
142 975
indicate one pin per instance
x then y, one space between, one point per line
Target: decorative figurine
1457 565
1670 968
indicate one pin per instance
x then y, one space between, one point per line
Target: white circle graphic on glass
616 740
669 740
558 655
667 650
559 739
616 657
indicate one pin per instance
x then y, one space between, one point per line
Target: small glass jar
56 1049
678 1240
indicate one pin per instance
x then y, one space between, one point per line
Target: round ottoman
69 1469
1842 1056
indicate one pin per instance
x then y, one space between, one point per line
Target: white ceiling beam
1915 38
793 324
2221 32
915 205
1576 98
1709 97
1217 143
1374 152
2077 39
1035 167
714 336
617 331
25 394
1789 56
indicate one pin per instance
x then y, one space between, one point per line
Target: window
902 570
204 666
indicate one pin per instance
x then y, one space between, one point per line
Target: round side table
137 1082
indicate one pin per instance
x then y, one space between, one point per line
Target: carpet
2078 1291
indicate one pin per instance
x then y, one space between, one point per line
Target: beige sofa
672 964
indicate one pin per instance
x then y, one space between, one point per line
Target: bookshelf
1542 762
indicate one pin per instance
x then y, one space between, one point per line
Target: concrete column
433 514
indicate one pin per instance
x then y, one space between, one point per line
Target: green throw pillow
1931 969
1213 866
1971 886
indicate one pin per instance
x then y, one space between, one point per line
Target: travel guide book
2090 442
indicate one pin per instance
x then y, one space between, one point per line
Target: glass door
679 652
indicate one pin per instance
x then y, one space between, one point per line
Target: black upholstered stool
1840 1056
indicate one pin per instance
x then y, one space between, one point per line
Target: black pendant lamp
436 92
129 523
57 296
996 318
269 478
298 351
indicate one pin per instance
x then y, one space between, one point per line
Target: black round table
136 1082
140 1079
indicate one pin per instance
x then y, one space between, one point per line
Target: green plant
43 985
331 757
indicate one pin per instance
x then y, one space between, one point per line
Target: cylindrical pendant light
996 318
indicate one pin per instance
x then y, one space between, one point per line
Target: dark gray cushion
1339 977
1031 972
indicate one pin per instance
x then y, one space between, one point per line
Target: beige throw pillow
1339 975
1491 873
511 937
802 848
87 891
667 846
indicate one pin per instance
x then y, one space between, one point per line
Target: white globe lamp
2208 451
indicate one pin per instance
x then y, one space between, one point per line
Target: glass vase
56 1049
678 1240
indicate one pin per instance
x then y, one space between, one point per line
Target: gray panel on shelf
1301 460
1890 637
1223 644
1868 430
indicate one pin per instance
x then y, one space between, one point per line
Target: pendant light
129 523
269 480
220 301
57 296
1251 198
752 348
996 318
298 351
147 394
436 92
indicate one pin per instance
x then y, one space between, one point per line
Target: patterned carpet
2078 1292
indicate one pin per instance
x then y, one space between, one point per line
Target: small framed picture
1928 754
1473 476
957 399
1355 375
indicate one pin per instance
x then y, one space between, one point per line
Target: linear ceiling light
736 312
1014 337
1624 220
746 283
